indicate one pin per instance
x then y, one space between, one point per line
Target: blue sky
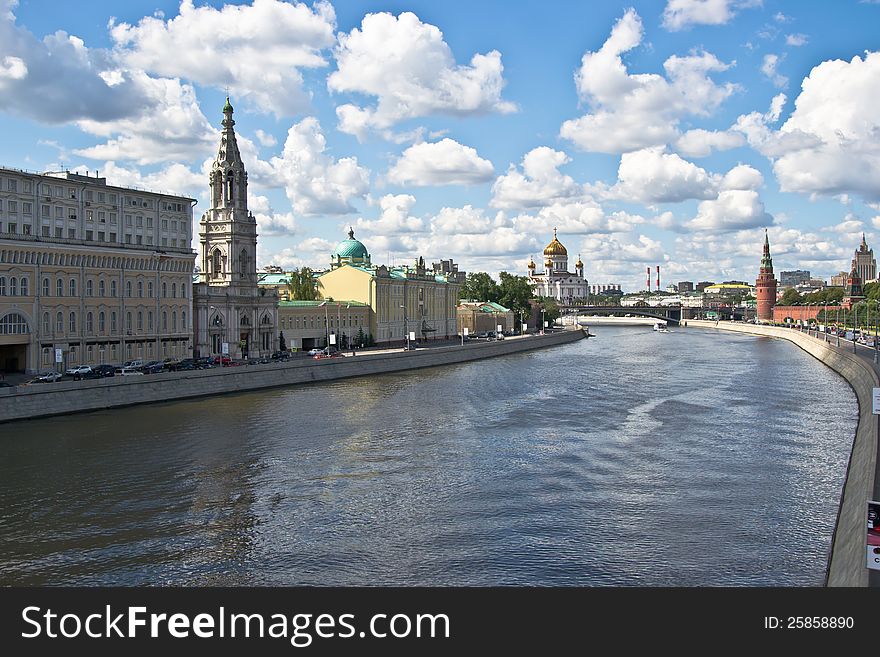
650 133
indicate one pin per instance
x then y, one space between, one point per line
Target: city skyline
649 133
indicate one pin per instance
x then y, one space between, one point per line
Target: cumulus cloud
315 182
540 182
701 143
768 68
58 79
173 179
742 176
630 112
680 14
258 50
654 176
265 138
394 216
576 218
734 209
796 40
410 70
270 222
829 145
466 220
445 162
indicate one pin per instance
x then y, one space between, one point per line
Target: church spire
228 175
766 260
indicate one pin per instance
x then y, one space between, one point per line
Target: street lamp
326 325
405 327
543 323
837 323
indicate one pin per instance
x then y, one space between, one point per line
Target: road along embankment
846 565
26 402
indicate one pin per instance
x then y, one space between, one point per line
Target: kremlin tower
766 284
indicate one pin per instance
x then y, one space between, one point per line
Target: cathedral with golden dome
555 280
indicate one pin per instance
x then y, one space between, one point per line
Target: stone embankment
41 400
846 566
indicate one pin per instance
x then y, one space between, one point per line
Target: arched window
140 323
173 290
150 320
101 288
150 289
164 321
128 288
2 286
140 288
45 287
128 321
217 266
164 289
230 186
242 262
182 320
59 288
101 325
245 320
174 321
24 286
59 322
113 288
90 323
113 322
13 287
46 326
73 322
13 324
72 287
90 288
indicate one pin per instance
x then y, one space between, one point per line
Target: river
634 458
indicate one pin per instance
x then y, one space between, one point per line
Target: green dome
351 248
228 106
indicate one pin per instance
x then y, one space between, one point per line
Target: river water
634 458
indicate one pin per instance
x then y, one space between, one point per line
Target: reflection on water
636 458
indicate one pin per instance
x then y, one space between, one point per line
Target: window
140 323
73 322
90 327
2 286
101 288
59 288
128 220
46 325
164 321
128 238
90 235
102 217
27 208
140 289
13 324
59 322
139 221
59 232
72 287
150 320
59 212
71 233
24 286
102 236
44 211
149 222
90 288
218 264
101 321
13 287
90 215
182 320
11 185
164 289
112 237
128 288
150 289
113 322
13 207
173 290
164 224
174 321
112 288
128 321
45 287
112 217
12 229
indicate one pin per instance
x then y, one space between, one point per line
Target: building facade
863 262
555 280
310 324
766 284
91 273
792 278
485 317
233 314
685 286
410 299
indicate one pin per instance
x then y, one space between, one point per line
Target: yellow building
402 299
484 317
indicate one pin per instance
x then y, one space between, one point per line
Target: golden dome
555 247
531 263
579 263
548 263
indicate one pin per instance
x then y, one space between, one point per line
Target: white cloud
171 128
796 40
654 176
734 209
173 179
257 50
701 143
680 14
411 71
742 176
829 144
629 112
466 220
265 138
394 217
850 226
445 162
316 183
768 68
270 222
576 218
539 184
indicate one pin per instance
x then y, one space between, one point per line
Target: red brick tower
766 284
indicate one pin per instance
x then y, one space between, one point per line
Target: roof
317 304
351 248
273 279
485 307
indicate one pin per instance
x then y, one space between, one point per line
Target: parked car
204 363
186 365
171 364
128 371
133 363
222 360
315 352
79 370
281 355
6 384
153 367
46 377
104 370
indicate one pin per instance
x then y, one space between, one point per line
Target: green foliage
791 297
301 285
551 309
514 292
830 295
479 286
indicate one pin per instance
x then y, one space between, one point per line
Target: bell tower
228 231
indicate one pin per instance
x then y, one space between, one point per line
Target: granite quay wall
846 565
25 402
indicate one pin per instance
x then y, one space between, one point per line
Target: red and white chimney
658 278
649 278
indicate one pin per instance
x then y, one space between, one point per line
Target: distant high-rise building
685 286
702 285
839 280
863 262
766 284
792 278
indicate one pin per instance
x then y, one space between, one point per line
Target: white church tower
231 312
